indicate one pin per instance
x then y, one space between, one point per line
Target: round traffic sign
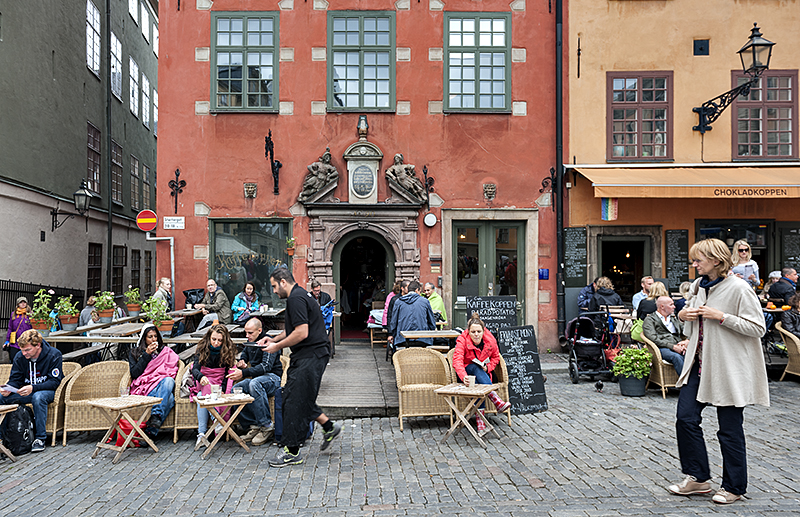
147 220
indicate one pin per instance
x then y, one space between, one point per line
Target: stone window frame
391 48
244 49
477 49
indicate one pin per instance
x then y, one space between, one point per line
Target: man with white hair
666 331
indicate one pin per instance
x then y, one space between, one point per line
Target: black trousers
300 398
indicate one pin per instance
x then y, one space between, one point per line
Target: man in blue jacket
411 312
35 375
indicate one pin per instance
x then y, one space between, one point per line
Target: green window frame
361 61
477 62
244 61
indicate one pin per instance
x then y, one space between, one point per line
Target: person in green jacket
437 304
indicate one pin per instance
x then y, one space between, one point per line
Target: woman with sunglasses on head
743 264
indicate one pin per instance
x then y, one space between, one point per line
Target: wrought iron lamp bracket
711 110
176 186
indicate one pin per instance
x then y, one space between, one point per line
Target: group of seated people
408 307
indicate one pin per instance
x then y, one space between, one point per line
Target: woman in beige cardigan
724 367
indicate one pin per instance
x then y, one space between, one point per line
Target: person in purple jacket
18 323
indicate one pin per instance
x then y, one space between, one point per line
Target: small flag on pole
609 206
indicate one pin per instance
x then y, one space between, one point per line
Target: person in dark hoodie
411 312
604 295
35 375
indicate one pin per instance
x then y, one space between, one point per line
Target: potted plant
40 312
632 366
104 305
68 312
290 246
133 301
156 310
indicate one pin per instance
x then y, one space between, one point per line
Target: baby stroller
587 346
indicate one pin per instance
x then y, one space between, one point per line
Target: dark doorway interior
623 262
363 280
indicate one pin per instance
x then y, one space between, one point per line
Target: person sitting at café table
476 354
436 301
35 375
665 330
774 276
259 375
411 312
245 303
790 320
153 367
215 306
214 360
648 305
786 287
164 292
18 323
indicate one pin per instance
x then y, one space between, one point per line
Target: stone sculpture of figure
405 176
320 173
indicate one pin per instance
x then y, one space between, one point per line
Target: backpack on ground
18 432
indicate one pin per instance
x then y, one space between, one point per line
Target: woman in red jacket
476 353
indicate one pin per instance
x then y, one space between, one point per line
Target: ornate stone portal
363 160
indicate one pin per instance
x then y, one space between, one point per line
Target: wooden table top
417 334
457 389
269 312
125 402
126 329
185 312
93 326
227 399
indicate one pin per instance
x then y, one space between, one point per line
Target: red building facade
462 88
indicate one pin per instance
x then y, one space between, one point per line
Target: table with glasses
236 403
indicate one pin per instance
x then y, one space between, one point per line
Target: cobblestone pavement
591 454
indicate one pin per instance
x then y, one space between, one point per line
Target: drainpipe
560 168
109 248
171 260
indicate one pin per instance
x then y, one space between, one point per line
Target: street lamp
82 199
755 56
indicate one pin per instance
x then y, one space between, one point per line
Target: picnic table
92 326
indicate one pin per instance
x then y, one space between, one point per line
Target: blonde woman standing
743 264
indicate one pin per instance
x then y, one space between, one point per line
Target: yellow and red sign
147 220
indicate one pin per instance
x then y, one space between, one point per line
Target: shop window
249 251
639 116
477 53
244 68
361 64
765 120
95 268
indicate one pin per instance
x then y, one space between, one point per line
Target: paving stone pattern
591 454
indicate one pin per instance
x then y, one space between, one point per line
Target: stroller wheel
573 372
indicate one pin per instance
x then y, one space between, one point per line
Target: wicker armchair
419 371
55 410
793 349
170 420
499 376
662 373
97 380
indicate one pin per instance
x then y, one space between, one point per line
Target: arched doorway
363 267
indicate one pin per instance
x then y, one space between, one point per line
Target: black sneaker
284 458
38 446
328 436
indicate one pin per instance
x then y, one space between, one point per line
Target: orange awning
698 182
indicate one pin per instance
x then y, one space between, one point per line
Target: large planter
106 315
165 327
633 387
43 326
134 309
69 321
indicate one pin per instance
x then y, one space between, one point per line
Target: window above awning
695 182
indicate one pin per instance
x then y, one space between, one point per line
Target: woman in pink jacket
476 353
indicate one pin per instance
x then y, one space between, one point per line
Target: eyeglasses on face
743 250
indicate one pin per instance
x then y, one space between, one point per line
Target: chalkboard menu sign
495 311
677 257
790 248
575 257
525 382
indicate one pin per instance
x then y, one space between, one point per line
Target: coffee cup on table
469 380
189 306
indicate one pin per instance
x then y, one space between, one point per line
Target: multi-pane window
133 9
135 186
639 115
134 84
145 101
93 152
116 172
155 112
765 121
361 74
245 54
94 269
477 62
119 261
92 37
148 271
136 268
155 40
145 187
116 66
145 23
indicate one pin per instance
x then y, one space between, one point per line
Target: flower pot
106 315
165 327
633 387
43 326
290 251
69 321
134 309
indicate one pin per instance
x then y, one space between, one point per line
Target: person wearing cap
18 323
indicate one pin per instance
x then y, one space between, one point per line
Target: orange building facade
462 90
